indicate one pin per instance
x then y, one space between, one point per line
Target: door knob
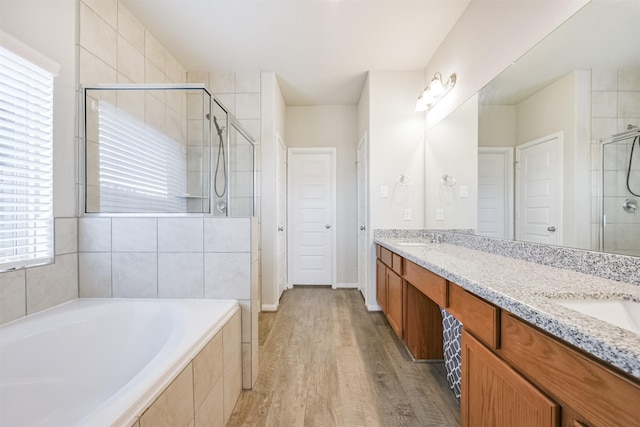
327 226
551 229
280 228
362 228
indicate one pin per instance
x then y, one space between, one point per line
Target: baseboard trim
269 307
346 286
373 307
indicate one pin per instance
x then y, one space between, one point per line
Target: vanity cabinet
513 374
495 394
390 288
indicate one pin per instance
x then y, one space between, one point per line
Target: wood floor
325 361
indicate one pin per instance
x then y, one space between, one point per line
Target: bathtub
100 362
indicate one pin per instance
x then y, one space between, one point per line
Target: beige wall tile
629 79
246 366
94 71
211 413
173 70
154 51
97 36
629 104
222 82
207 369
227 275
13 297
232 383
247 82
174 407
94 234
180 275
175 126
132 101
154 112
106 9
231 338
135 275
52 284
130 61
153 74
130 28
198 77
94 274
66 235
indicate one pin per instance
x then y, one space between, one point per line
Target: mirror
552 112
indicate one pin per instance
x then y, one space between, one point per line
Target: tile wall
205 392
29 290
615 103
165 257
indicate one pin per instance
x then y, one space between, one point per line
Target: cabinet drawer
599 395
396 263
386 256
430 284
476 315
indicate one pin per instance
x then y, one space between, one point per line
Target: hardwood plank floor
325 361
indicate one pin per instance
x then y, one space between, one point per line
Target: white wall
396 147
489 36
273 122
452 148
50 28
334 126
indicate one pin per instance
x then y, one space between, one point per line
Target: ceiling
319 49
602 35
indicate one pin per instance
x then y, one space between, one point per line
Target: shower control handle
327 226
362 228
280 228
551 229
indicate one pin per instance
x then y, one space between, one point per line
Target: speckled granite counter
526 289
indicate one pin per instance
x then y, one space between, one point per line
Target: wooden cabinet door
495 395
394 301
381 285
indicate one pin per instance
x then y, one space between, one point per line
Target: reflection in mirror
556 111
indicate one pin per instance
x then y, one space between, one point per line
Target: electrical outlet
384 191
464 191
439 214
407 214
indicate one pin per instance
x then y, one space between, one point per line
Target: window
26 155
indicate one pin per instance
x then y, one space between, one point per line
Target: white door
312 174
495 192
538 183
281 217
363 223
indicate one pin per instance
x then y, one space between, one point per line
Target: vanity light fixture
435 90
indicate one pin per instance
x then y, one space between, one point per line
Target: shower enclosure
164 149
621 193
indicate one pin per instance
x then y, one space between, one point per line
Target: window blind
26 161
141 169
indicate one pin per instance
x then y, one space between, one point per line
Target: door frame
282 145
519 148
291 152
509 188
363 191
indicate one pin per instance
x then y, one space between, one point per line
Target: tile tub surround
526 288
207 389
605 265
175 257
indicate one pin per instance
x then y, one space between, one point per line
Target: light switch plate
407 214
384 191
439 214
464 191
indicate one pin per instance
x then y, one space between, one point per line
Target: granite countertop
527 289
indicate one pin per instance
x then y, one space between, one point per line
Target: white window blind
141 169
26 160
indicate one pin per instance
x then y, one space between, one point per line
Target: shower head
219 128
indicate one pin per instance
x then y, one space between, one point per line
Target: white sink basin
412 244
625 314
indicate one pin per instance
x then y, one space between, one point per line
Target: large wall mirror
552 167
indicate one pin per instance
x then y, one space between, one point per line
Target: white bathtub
100 362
